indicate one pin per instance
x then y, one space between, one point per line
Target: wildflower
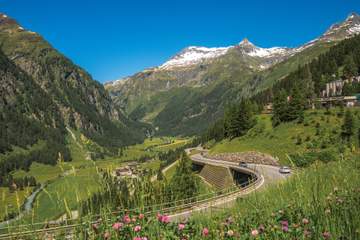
163 218
159 216
254 233
284 223
107 235
144 238
141 216
181 226
285 228
205 232
137 238
137 228
127 219
326 235
305 221
230 233
327 211
116 226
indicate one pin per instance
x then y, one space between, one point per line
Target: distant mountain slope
81 102
31 126
187 92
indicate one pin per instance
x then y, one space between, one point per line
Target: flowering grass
322 202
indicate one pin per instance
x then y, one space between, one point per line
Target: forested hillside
42 92
340 62
29 120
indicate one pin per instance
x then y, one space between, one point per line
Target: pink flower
254 233
127 219
141 216
165 219
137 228
326 235
144 238
159 216
116 226
137 238
305 221
107 235
285 228
205 232
181 226
284 223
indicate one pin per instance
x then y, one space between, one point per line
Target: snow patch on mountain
354 29
194 55
267 52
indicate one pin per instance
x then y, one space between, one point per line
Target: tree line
237 119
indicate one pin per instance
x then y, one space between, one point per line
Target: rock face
83 103
223 73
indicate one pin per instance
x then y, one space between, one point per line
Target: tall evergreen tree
280 108
348 126
296 105
350 68
184 183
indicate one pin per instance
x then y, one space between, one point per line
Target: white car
284 170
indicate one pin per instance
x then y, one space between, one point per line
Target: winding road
265 174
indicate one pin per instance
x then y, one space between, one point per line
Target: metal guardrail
188 204
169 210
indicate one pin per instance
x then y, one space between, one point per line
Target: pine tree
348 126
245 117
280 108
184 183
231 121
296 105
350 68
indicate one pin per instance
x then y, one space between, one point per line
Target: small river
26 207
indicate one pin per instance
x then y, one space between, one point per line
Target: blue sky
113 39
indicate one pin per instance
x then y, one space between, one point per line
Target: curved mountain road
266 175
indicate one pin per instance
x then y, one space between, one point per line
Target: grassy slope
66 187
12 202
305 195
281 141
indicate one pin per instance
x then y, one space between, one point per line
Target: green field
68 183
12 202
64 194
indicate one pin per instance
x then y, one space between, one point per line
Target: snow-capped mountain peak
345 29
194 55
250 49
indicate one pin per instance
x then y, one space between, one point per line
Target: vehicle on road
243 164
284 170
